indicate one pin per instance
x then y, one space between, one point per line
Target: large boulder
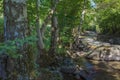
105 53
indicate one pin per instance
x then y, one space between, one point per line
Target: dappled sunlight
59 40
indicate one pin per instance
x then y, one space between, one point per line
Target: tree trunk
81 18
54 31
39 35
47 19
15 27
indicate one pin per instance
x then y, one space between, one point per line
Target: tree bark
54 31
39 35
15 27
81 18
47 19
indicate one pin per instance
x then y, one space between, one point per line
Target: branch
47 19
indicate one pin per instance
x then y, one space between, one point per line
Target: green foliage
1 21
90 20
1 7
68 18
11 47
105 18
111 24
43 10
1 25
47 37
108 17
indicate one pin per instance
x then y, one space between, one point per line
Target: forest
59 39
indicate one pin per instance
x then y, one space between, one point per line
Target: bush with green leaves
111 24
11 47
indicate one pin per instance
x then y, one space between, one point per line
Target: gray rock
111 53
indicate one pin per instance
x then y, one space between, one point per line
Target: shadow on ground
105 73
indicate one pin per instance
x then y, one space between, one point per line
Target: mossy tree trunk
15 27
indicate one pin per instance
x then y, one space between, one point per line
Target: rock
105 49
80 45
68 66
68 69
114 41
81 75
111 53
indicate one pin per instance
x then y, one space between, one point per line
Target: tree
54 26
107 17
82 17
39 35
16 27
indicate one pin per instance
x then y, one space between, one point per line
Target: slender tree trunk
15 27
39 35
47 19
54 31
79 31
81 19
40 43
54 35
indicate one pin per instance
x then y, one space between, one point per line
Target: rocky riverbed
90 59
100 49
102 52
